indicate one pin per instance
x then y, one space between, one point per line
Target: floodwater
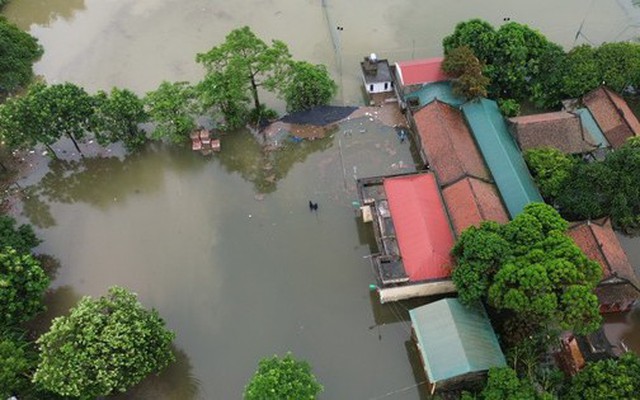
225 247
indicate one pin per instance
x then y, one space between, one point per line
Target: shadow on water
58 302
176 382
25 13
104 182
242 153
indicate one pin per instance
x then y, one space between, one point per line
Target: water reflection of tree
264 168
176 382
58 302
24 13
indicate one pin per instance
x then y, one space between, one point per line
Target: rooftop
613 115
455 340
375 71
441 91
422 228
471 201
419 72
560 130
448 144
501 155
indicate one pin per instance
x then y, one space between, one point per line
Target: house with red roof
613 115
619 289
448 148
413 235
413 74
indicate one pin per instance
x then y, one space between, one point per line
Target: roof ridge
599 244
620 112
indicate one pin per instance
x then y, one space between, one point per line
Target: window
371 87
386 85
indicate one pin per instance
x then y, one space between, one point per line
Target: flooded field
226 247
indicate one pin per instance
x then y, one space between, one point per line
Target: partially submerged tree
245 58
307 85
225 94
172 108
19 51
103 347
20 238
117 117
282 378
22 285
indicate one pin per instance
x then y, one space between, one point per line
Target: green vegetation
117 117
282 378
583 190
607 379
531 270
522 64
504 383
461 64
15 366
307 85
103 347
22 238
19 51
172 108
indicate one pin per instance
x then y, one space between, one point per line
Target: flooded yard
226 247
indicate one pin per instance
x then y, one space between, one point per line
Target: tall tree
19 51
22 285
307 85
479 35
282 378
466 69
103 347
255 63
607 379
172 108
15 366
619 65
225 92
117 117
20 238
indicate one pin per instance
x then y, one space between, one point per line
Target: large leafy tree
478 35
581 71
607 379
104 346
550 169
18 51
15 365
464 66
248 60
619 65
117 117
529 268
172 108
307 85
22 285
225 93
282 378
20 238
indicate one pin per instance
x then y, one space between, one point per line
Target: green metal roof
592 127
438 90
454 339
501 154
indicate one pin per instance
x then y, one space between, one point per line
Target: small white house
376 75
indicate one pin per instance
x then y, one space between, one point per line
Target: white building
376 75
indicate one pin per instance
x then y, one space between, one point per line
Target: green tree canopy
478 35
103 347
550 169
607 379
307 85
619 65
530 268
21 238
282 379
581 71
248 62
117 117
19 51
225 93
15 365
172 108
22 285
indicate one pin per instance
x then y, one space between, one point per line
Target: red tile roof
422 228
448 144
600 243
560 130
471 201
419 72
613 115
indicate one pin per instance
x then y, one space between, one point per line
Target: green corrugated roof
438 90
592 127
501 154
454 339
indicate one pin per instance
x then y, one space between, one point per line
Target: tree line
518 63
236 72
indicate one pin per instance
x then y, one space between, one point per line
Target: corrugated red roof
613 115
471 201
422 227
448 144
419 72
600 243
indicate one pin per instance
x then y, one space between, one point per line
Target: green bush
282 379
